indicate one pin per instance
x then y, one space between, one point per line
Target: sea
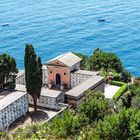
54 27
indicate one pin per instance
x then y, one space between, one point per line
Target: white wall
75 67
46 102
21 79
77 78
45 76
12 112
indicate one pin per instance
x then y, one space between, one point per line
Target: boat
5 24
101 20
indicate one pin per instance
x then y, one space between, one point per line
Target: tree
95 107
127 99
125 76
136 96
106 61
124 125
33 74
7 71
69 124
100 60
85 62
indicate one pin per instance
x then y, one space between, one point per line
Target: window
57 62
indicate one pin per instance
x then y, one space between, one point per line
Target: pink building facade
59 69
58 75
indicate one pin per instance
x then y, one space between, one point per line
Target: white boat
5 24
101 20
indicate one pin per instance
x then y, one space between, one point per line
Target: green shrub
116 77
66 126
117 83
123 125
120 91
125 76
95 107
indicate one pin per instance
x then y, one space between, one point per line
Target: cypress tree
33 74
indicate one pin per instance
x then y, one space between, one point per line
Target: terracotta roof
68 59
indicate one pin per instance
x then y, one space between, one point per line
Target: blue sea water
58 26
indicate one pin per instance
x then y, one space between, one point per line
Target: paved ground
41 116
110 90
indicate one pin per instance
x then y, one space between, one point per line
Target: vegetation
136 102
120 92
8 71
85 62
69 125
131 97
98 117
95 107
135 96
116 77
107 63
124 125
125 76
117 83
33 73
98 121
101 60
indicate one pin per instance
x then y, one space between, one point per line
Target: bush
95 107
118 126
66 126
120 92
125 76
136 102
116 77
117 83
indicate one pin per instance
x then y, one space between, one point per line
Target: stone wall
12 112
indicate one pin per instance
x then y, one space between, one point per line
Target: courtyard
110 90
41 116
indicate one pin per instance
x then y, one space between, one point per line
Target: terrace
110 90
